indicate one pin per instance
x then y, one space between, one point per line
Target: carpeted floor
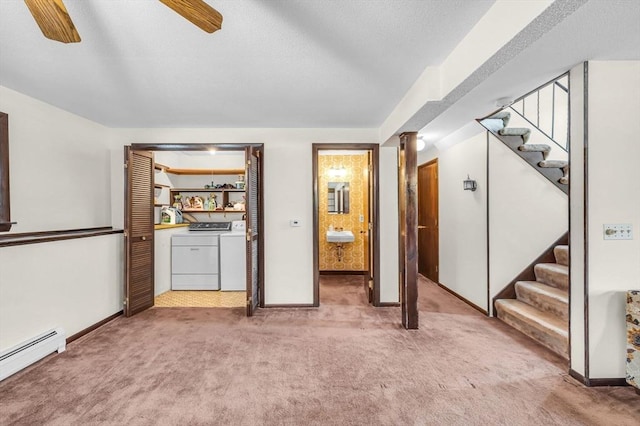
344 363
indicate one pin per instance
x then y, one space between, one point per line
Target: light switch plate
620 231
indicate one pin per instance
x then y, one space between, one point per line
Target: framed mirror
338 197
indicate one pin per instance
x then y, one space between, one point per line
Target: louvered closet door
139 232
255 241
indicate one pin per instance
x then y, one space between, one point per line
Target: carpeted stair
516 138
541 309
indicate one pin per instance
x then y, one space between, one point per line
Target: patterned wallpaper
354 254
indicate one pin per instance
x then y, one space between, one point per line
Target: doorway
428 233
140 200
345 219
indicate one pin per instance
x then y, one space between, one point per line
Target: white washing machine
233 255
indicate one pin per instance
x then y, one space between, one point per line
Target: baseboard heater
18 357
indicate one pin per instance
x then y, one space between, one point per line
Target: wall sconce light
469 184
337 172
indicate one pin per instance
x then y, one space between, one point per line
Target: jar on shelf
177 201
240 182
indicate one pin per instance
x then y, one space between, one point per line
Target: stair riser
552 278
543 302
562 255
556 342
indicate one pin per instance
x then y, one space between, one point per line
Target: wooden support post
408 228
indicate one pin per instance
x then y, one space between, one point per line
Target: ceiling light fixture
421 143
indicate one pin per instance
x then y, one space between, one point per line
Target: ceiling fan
54 20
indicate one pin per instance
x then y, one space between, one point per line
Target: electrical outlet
622 231
361 218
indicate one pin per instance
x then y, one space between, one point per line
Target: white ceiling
565 35
275 63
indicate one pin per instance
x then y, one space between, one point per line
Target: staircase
541 309
516 138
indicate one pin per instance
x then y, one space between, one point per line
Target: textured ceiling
564 35
289 63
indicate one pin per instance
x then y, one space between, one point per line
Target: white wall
614 197
59 167
527 213
463 216
191 160
576 222
389 261
60 179
71 283
288 195
81 164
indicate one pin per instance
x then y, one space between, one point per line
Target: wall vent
18 357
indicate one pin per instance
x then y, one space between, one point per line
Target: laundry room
200 229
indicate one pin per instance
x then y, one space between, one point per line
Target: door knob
143 238
422 227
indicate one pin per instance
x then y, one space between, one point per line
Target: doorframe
421 166
240 147
375 163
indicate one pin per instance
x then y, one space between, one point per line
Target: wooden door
138 231
428 234
408 229
369 231
255 240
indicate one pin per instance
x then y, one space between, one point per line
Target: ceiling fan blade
198 12
54 20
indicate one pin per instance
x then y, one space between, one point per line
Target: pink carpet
344 363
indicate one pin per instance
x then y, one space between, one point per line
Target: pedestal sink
340 237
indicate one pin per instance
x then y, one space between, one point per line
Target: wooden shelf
206 190
167 226
159 185
205 171
160 167
212 211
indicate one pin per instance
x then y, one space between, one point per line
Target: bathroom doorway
345 219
